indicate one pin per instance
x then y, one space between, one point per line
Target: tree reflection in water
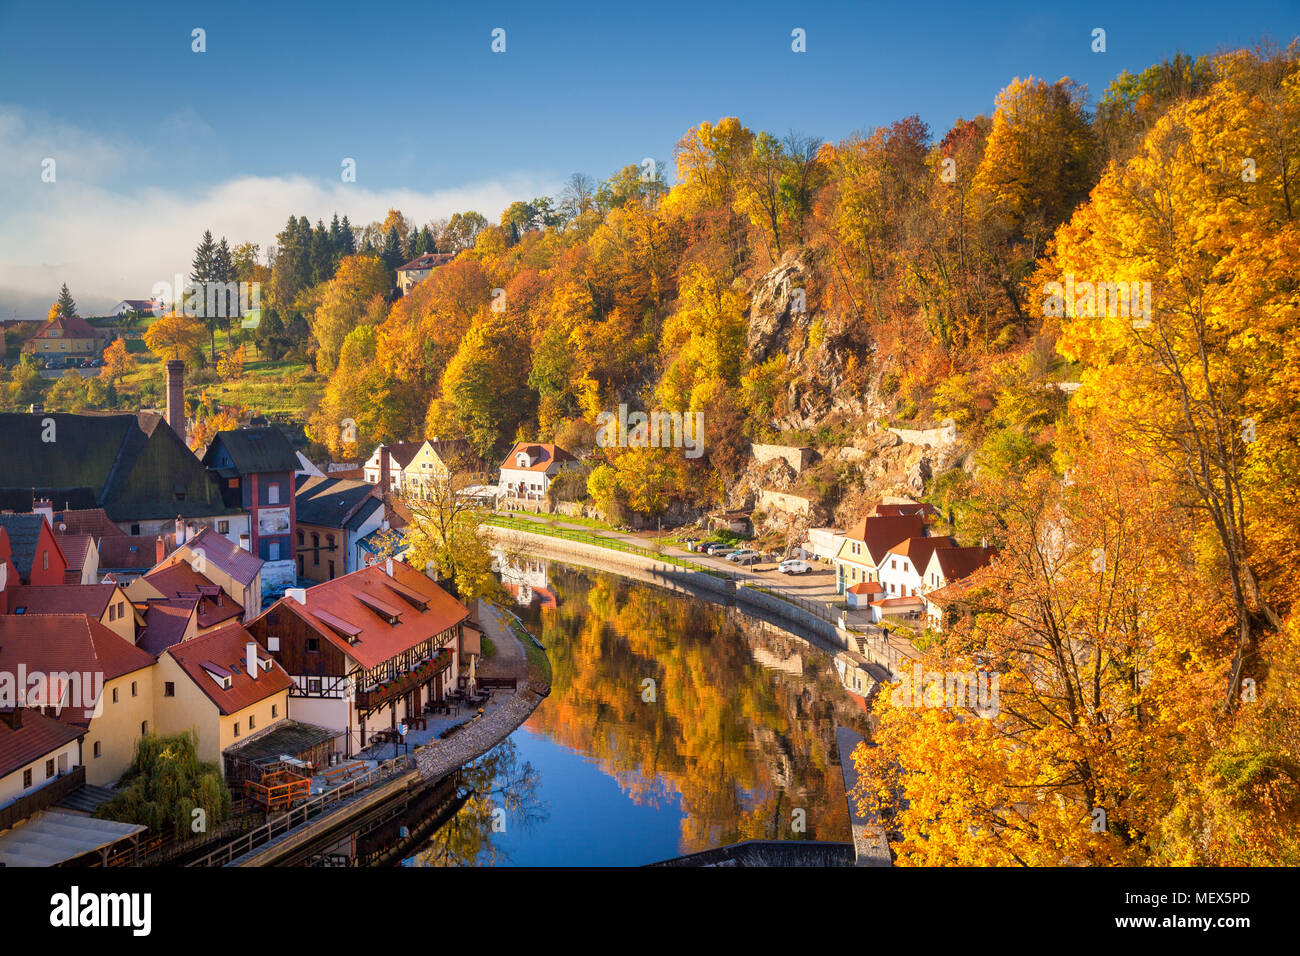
505 794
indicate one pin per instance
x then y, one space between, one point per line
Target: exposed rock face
780 317
775 308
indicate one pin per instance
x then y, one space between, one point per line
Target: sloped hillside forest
1135 467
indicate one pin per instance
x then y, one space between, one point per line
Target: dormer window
521 460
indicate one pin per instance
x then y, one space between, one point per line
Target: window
112 612
121 609
252 722
169 689
329 542
135 529
300 539
331 570
223 527
904 565
49 768
315 543
313 685
144 727
300 565
273 551
275 711
133 689
273 493
236 728
313 645
115 695
892 564
99 750
27 778
45 560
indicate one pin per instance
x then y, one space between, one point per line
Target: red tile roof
180 580
37 736
130 552
70 327
880 534
337 606
89 599
867 587
226 556
74 548
165 623
54 643
225 650
547 455
91 521
957 563
919 549
882 510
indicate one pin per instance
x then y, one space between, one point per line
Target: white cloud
109 244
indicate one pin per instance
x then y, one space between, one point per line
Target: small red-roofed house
222 685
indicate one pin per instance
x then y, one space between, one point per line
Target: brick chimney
159 550
176 397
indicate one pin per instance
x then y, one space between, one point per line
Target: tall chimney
180 531
176 397
250 652
160 550
383 470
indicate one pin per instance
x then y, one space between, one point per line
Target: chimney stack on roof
44 506
176 397
159 550
250 654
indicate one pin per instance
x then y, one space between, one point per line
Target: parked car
746 559
96 363
51 364
794 566
743 553
713 547
723 552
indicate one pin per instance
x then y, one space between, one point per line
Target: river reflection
674 725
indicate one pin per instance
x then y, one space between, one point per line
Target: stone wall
780 501
796 458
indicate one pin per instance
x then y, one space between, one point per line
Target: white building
529 469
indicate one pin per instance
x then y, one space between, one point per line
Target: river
674 725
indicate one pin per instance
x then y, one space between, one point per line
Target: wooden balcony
377 697
46 796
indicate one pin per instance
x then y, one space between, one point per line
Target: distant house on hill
65 337
140 306
418 269
413 465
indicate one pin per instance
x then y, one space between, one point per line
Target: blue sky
146 131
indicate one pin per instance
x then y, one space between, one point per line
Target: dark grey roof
86 798
334 502
134 465
24 531
288 738
254 450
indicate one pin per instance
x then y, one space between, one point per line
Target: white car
794 566
742 553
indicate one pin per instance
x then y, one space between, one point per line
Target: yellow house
96 681
221 685
107 603
866 544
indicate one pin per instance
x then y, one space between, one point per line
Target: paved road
817 587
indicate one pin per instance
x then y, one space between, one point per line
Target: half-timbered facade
366 651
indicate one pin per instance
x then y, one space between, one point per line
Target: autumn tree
354 296
177 336
118 362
